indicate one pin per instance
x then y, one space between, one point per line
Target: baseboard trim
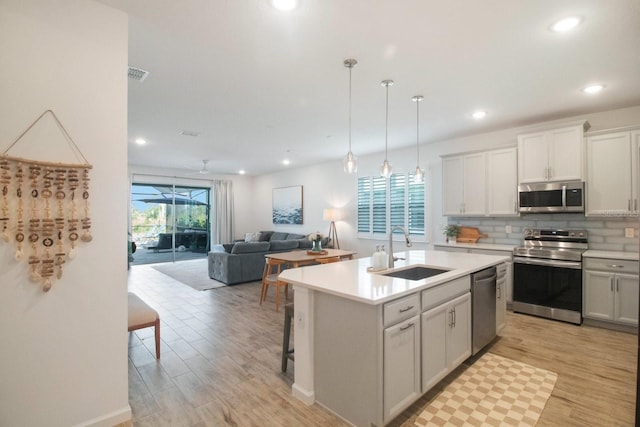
120 418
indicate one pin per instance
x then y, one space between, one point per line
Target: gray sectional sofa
242 261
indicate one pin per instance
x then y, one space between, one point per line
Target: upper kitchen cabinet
480 184
463 182
502 180
612 174
552 155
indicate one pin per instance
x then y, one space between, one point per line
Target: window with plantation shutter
384 203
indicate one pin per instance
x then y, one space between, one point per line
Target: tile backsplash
605 233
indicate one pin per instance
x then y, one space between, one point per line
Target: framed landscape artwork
287 205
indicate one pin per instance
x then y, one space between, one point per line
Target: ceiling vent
137 74
189 133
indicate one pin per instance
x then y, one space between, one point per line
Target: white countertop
632 256
489 246
351 280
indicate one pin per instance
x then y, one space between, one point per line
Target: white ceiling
260 85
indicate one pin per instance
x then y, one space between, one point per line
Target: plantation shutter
397 200
416 207
379 202
364 205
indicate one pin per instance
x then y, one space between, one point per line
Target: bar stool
287 354
272 269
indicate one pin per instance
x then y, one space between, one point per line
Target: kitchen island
368 345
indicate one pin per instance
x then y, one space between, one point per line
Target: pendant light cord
350 68
386 130
418 130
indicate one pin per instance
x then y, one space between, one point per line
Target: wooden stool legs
286 353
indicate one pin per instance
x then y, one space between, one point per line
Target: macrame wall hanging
44 210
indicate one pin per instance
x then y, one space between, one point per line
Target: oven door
548 288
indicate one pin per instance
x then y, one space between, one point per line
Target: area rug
193 273
494 391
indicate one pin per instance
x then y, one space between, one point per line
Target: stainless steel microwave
549 197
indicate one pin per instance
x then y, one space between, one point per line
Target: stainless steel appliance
483 308
547 197
547 274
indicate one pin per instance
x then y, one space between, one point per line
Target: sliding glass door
169 222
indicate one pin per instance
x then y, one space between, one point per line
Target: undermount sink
415 273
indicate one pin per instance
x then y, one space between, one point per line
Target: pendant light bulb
418 175
350 162
386 170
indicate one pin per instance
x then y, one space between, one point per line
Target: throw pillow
252 237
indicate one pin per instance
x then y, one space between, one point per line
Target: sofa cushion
227 247
305 243
294 236
245 248
278 235
283 245
265 236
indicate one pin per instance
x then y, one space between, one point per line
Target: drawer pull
406 327
615 265
402 310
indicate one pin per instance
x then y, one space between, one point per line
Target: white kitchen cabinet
464 180
480 184
446 339
610 290
502 182
612 174
401 366
551 155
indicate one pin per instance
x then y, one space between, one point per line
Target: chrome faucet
392 259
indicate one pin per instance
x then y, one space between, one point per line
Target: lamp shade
331 214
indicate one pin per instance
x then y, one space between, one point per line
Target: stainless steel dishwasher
483 308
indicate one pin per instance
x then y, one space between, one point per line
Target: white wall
326 185
64 353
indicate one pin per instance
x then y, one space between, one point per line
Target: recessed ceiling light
140 141
285 5
242 172
478 115
593 89
286 162
566 24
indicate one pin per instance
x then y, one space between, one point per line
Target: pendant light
418 176
350 162
386 169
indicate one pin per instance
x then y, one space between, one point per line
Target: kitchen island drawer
401 309
613 265
439 294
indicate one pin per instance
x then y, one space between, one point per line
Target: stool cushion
139 312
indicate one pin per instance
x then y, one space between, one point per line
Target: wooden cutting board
469 235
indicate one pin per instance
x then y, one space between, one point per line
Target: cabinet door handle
451 318
617 284
498 291
406 327
402 310
611 282
454 317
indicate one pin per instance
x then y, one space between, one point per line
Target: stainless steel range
547 273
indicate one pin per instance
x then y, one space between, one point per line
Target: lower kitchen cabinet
446 339
610 291
401 366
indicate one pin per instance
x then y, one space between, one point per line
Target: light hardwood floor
220 363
